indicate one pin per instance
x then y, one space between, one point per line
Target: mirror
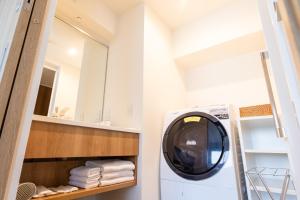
74 75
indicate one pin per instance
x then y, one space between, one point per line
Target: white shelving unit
261 148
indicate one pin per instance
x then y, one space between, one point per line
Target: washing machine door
196 145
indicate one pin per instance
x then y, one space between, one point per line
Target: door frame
290 17
23 87
284 83
57 69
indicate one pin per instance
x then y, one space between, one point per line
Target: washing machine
200 156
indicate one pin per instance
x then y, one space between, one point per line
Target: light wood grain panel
13 131
12 62
257 110
50 140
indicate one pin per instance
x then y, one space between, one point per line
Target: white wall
123 104
163 91
124 91
239 81
220 26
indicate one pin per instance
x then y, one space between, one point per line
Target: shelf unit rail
262 172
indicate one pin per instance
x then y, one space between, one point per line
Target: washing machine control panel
220 113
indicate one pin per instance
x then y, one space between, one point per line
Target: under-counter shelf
89 192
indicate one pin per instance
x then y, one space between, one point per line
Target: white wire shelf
261 173
273 190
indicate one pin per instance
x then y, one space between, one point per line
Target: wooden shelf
257 110
266 151
273 190
89 192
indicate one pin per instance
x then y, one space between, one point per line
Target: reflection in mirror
45 92
73 80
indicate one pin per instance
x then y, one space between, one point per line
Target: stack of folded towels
85 177
113 171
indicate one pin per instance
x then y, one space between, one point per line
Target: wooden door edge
15 51
19 113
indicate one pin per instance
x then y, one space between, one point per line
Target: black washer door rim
212 170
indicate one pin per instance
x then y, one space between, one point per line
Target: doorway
47 91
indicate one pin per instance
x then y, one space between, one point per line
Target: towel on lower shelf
85 171
42 191
83 179
112 175
111 165
84 185
116 180
64 189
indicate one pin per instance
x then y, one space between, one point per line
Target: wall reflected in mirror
74 75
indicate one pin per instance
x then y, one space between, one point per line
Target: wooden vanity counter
53 149
52 140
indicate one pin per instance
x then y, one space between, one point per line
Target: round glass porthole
196 146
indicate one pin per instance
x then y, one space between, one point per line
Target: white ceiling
179 12
120 6
173 12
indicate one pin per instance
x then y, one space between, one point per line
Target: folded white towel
85 171
116 180
112 175
42 191
111 165
64 189
84 185
84 179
